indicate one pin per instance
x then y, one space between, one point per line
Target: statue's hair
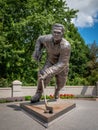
58 25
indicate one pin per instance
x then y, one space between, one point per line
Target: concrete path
83 117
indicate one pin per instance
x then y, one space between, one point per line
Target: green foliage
4 83
21 22
92 64
27 98
3 101
11 99
79 57
78 81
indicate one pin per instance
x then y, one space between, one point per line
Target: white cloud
88 12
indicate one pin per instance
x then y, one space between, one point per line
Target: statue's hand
42 75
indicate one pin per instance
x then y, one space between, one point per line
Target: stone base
36 110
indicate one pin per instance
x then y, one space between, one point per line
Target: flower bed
28 98
62 96
11 99
66 96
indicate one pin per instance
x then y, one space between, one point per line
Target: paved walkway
83 117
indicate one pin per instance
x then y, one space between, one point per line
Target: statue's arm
38 49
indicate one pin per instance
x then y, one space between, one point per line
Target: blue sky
89 34
87 18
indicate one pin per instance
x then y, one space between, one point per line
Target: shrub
27 98
4 83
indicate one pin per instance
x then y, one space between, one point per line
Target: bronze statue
57 62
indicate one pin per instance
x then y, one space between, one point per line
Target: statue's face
57 33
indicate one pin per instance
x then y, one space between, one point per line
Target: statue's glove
43 74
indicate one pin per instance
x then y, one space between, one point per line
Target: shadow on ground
14 107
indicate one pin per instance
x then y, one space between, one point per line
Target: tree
92 65
21 22
79 57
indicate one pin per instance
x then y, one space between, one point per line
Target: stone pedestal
16 88
37 110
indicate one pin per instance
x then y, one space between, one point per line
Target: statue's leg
60 82
39 90
46 81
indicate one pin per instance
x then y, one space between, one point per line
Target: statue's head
57 31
